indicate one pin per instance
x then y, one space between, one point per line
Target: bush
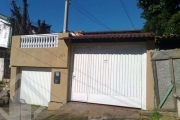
155 115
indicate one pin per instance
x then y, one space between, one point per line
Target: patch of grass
155 115
35 105
2 85
1 82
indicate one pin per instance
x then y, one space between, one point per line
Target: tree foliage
42 27
162 16
21 23
19 20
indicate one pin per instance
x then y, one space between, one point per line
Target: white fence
39 41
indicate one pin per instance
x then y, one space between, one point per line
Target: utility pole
66 11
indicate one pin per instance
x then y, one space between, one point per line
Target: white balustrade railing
39 41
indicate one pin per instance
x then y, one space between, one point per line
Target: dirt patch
96 111
85 111
68 117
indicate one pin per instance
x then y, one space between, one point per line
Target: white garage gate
35 86
113 75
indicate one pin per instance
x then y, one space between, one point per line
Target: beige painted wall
39 57
59 92
150 78
14 84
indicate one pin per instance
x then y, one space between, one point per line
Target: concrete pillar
15 84
59 92
150 78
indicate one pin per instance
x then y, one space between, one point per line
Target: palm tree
43 27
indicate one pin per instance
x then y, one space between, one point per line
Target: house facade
111 68
5 39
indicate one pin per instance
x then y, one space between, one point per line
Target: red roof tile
112 36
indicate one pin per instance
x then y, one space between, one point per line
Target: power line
82 10
89 15
80 6
127 12
85 14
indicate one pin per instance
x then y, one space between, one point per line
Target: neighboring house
112 68
5 39
6 31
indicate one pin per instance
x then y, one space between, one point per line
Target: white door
109 75
80 74
1 68
35 86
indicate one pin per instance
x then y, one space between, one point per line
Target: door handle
73 75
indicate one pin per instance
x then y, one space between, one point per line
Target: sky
108 14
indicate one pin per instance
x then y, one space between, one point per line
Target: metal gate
110 75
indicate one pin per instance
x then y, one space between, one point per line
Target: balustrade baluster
36 41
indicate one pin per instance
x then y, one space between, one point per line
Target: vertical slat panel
122 75
90 73
81 76
95 71
118 73
84 73
76 74
109 74
135 76
99 86
130 66
94 76
127 72
114 71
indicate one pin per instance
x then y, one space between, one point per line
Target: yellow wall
39 57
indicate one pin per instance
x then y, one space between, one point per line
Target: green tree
162 16
19 20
